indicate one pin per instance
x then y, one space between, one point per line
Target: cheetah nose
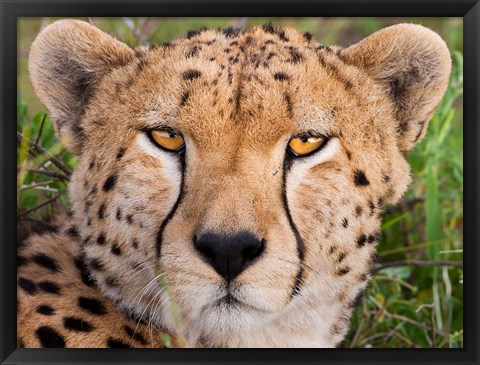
229 255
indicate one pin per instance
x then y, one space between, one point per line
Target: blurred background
415 297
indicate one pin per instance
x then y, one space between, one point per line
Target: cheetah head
229 184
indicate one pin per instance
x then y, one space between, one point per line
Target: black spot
129 218
349 155
21 261
134 335
121 153
77 324
358 211
341 257
92 305
101 239
86 240
231 32
88 204
49 338
268 28
289 104
343 271
91 165
361 240
233 60
307 36
340 345
111 281
72 231
371 205
184 98
46 262
167 44
191 74
49 287
332 250
44 228
101 211
89 223
109 183
282 36
386 178
46 310
27 285
373 237
118 215
360 179
96 264
345 222
193 33
116 249
192 52
82 268
135 244
113 343
280 76
270 55
295 56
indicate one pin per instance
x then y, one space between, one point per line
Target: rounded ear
66 62
414 64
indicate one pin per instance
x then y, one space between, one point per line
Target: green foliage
410 305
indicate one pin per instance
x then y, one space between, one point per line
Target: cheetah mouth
230 302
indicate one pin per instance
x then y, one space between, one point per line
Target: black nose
229 255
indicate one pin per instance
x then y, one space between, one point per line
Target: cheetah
229 185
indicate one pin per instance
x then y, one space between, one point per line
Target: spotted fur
237 98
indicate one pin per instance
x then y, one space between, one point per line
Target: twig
41 128
136 33
51 200
49 173
417 263
55 160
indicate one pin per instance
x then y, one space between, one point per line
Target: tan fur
237 100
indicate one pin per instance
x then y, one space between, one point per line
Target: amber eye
168 140
305 145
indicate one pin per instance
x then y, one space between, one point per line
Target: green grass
411 305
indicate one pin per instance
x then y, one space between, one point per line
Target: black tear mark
298 238
77 324
191 74
159 237
49 287
361 240
27 285
49 338
360 179
280 76
45 261
109 183
45 309
184 98
92 305
113 343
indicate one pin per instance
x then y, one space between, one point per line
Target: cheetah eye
169 140
305 145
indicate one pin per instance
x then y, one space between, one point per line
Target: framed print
240 182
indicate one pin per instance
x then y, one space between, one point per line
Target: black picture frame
10 10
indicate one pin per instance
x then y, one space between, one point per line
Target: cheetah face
235 180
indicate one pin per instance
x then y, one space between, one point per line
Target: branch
135 31
49 173
417 263
39 206
55 160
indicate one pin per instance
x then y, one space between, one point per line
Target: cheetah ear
67 60
413 63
